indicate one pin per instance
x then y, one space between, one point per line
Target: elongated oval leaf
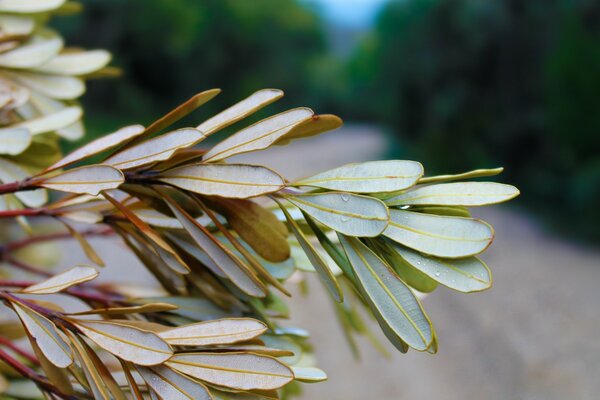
45 334
54 86
12 172
465 275
258 136
368 177
392 300
14 141
29 6
350 214
456 194
34 52
477 173
76 63
52 121
129 343
223 331
99 145
226 180
242 371
172 385
63 281
155 149
320 265
309 374
240 110
438 235
90 179
315 126
228 262
146 308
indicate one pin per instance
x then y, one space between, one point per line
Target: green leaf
240 110
14 141
309 374
243 371
129 343
217 332
391 299
29 6
315 126
440 236
52 121
45 334
456 194
258 136
155 149
63 281
315 258
368 177
76 63
478 173
226 180
90 179
350 214
171 385
465 275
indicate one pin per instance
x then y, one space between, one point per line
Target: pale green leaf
155 149
456 194
146 308
14 140
438 235
63 281
38 50
464 274
129 343
350 214
90 179
99 145
29 6
315 126
52 121
12 172
171 385
225 180
259 135
242 371
16 25
45 333
391 299
222 331
76 63
309 374
478 173
368 177
54 86
240 110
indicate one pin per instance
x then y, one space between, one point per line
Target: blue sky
351 13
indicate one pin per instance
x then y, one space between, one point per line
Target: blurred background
456 84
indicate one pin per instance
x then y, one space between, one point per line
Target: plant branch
8 343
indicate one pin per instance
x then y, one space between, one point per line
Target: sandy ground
533 336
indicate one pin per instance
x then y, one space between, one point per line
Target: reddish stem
8 343
26 212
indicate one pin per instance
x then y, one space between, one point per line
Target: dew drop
345 197
437 273
345 218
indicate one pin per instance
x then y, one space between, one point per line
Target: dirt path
534 336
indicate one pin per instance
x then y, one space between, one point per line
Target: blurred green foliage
502 82
460 84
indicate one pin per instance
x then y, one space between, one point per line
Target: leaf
315 258
309 374
29 6
350 214
171 385
226 180
228 262
52 121
478 173
465 275
58 376
240 110
14 141
456 194
76 63
315 126
259 135
91 179
63 281
99 145
34 52
45 334
53 86
85 245
368 177
129 343
440 236
184 109
155 149
258 227
223 331
242 371
11 172
146 308
391 299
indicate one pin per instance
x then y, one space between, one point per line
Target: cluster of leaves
200 226
221 239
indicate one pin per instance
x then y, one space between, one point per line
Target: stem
26 212
24 266
30 357
53 236
18 186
